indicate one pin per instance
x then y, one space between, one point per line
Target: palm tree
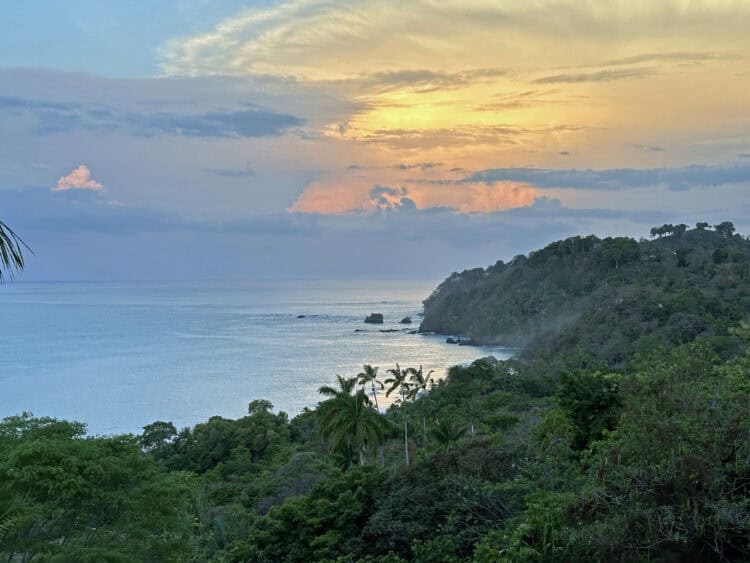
419 382
369 374
346 386
349 421
447 433
399 381
11 252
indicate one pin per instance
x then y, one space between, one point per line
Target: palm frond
12 248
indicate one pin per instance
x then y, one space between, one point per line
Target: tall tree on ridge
369 374
399 381
419 382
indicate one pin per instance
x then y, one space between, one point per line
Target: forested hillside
626 440
610 297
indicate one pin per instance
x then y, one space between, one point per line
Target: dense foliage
608 296
565 454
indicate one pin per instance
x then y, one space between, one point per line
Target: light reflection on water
120 355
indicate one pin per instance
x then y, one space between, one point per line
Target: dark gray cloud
61 117
683 178
595 76
419 166
249 122
397 197
379 191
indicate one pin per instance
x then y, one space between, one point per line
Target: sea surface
118 356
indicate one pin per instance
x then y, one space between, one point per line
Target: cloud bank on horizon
467 118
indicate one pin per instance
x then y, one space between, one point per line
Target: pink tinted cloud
347 194
78 179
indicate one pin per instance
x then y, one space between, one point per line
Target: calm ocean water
120 355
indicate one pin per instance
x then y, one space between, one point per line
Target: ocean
118 356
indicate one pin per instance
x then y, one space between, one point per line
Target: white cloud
306 38
78 179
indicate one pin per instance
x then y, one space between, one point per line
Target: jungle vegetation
620 432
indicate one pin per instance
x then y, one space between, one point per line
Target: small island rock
405 321
374 318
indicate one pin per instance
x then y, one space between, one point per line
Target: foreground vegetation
567 453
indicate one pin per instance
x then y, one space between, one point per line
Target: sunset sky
196 138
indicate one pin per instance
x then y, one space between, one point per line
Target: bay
118 356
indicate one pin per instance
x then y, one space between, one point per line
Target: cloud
426 75
468 135
519 100
61 117
419 166
596 76
78 179
306 37
681 178
649 148
429 242
250 122
342 195
684 57
422 81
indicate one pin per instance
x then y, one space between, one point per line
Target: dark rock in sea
405 321
413 332
301 316
460 341
389 330
359 330
374 318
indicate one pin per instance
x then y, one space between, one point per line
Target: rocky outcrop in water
460 341
374 318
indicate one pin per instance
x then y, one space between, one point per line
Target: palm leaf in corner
12 248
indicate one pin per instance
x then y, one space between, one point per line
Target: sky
301 139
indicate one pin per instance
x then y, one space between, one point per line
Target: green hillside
556 456
607 296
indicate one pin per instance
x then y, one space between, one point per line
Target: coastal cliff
605 296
